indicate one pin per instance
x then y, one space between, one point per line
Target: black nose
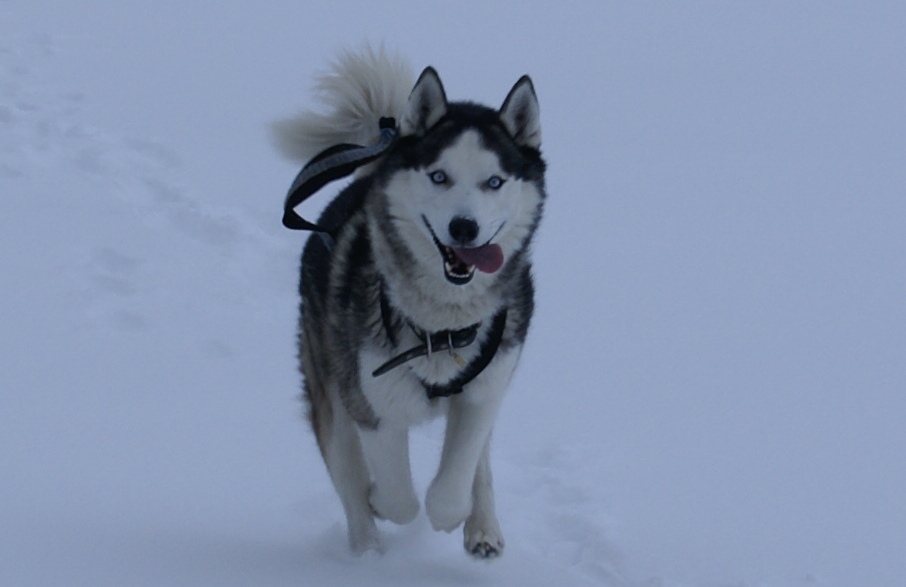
463 230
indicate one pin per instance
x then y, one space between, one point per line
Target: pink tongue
487 258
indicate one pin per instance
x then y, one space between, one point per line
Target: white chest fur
398 397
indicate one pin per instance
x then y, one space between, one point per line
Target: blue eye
495 182
438 177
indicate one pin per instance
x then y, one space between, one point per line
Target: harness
330 165
338 162
445 340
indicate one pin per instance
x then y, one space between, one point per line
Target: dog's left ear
521 115
427 104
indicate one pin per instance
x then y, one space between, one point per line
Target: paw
398 507
482 540
484 548
447 509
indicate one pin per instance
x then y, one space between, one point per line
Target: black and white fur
459 176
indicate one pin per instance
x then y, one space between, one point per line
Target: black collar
445 340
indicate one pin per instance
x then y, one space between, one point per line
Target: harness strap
446 340
330 165
435 342
476 366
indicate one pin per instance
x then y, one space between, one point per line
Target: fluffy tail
358 90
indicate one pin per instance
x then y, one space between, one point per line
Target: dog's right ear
520 114
427 104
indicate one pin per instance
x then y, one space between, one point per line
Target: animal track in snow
113 272
565 525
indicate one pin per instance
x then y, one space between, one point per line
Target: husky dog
418 303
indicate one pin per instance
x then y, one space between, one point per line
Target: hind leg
349 473
481 534
392 495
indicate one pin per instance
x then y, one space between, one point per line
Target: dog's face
470 188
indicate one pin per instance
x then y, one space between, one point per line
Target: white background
713 390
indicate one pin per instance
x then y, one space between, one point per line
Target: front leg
481 533
392 496
469 422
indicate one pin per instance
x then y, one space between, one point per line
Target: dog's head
467 185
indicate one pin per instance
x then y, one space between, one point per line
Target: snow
712 393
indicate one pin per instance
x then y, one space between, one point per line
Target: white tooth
450 270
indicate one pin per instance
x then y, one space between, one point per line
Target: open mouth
460 263
456 270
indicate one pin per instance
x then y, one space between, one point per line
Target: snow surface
713 391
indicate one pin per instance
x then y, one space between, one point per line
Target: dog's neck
423 296
445 340
434 313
